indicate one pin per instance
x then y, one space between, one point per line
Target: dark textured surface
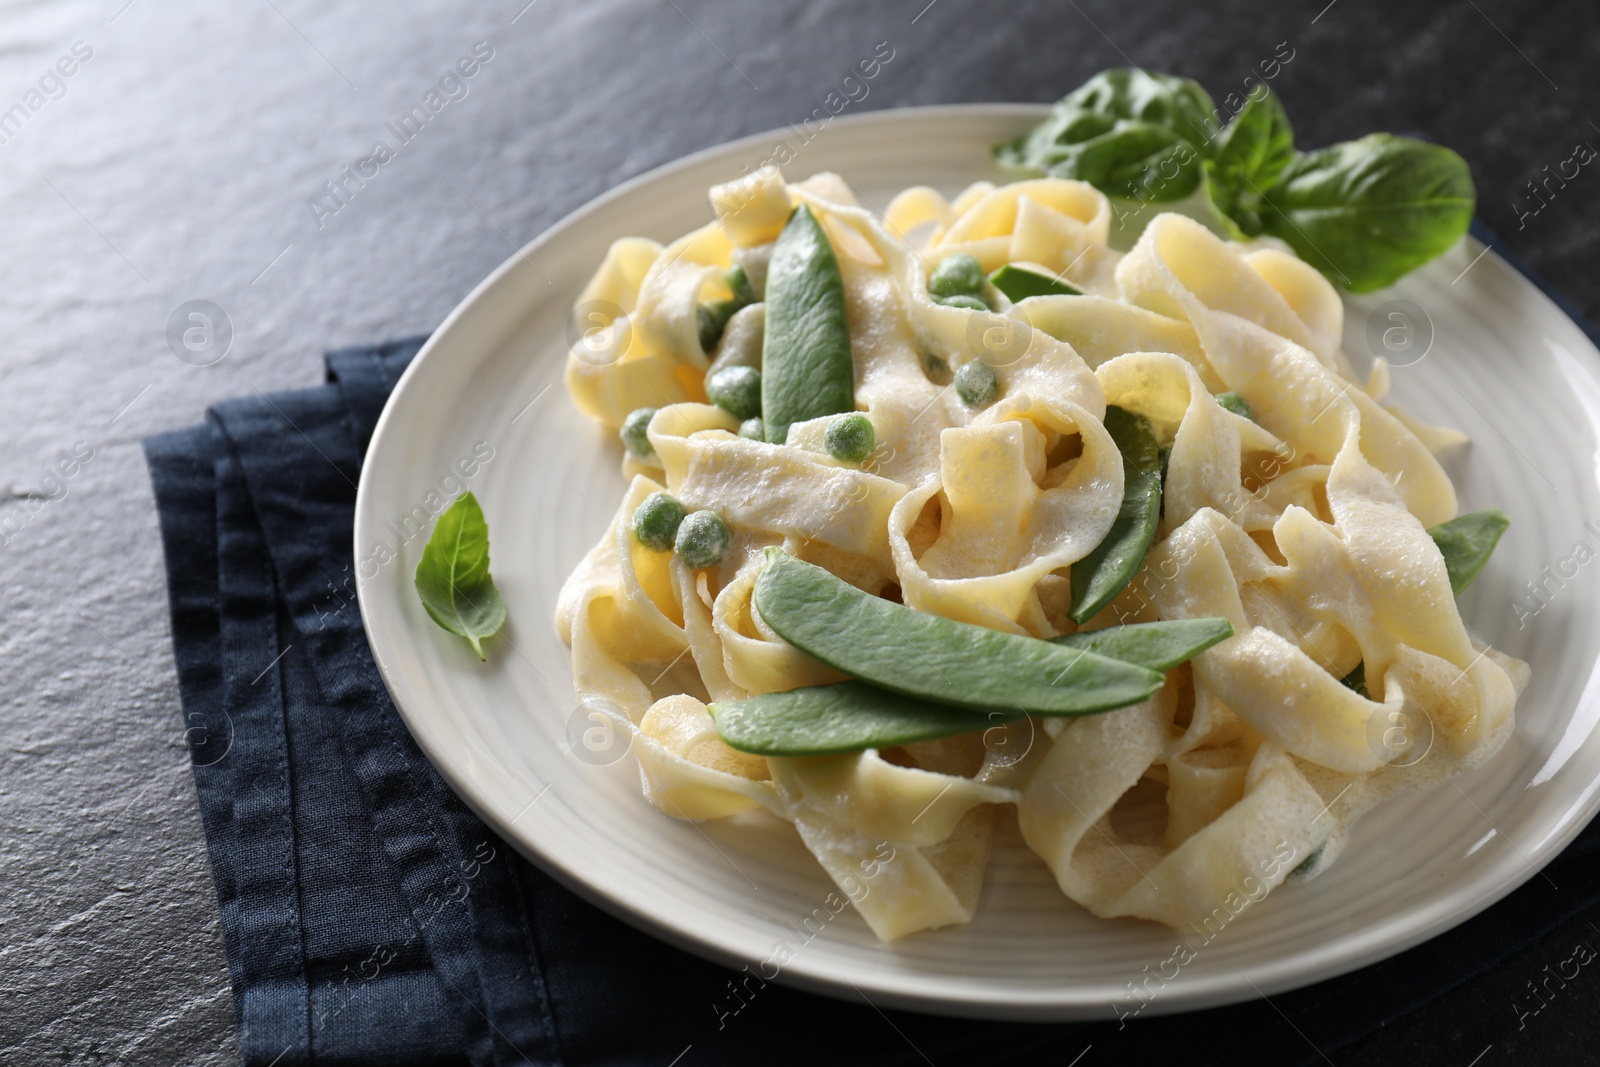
177 166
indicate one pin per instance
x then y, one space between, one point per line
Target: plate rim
1406 929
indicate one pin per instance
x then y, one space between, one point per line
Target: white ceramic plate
1504 364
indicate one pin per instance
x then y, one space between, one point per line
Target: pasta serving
867 506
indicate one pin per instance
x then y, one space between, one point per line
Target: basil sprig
1364 212
1127 132
1249 155
453 575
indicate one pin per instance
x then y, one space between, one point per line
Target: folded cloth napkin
369 917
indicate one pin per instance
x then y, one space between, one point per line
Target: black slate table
182 159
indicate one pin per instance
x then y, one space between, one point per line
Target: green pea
926 656
702 540
1098 577
633 434
822 720
1237 404
1467 543
752 430
962 300
656 521
956 274
976 384
736 390
938 370
850 438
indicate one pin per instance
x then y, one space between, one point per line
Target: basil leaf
1367 212
1467 542
1135 160
1246 159
453 575
1128 132
1179 104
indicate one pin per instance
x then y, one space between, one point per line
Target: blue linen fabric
370 918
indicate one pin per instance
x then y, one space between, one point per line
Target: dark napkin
369 917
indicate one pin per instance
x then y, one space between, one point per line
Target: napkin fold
370 918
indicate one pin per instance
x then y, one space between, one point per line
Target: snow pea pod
823 720
1160 646
712 318
1356 679
806 369
1019 283
934 658
1467 542
1098 577
1237 404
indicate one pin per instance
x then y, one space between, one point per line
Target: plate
1475 345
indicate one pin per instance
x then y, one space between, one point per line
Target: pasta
1305 527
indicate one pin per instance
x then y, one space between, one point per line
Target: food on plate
953 513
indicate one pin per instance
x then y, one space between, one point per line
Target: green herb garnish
1364 212
453 575
1129 133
